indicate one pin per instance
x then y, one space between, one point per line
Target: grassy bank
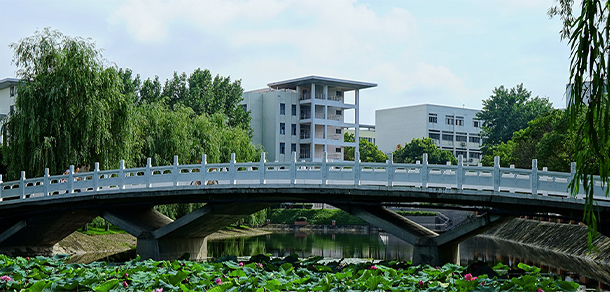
326 216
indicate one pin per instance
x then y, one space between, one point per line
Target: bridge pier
161 238
428 246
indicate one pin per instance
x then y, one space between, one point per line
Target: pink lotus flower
125 284
241 264
126 275
373 268
420 283
218 281
27 258
469 277
157 290
259 265
6 278
539 290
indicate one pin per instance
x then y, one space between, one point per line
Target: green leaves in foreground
262 274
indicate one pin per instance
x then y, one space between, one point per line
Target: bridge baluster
96 177
496 174
232 169
122 174
148 174
324 169
459 175
262 169
293 168
22 184
46 182
572 176
1 187
175 171
424 171
390 169
534 177
357 168
71 180
202 169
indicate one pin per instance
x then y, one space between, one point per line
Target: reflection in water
384 246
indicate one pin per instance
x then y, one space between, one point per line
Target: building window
460 138
12 93
338 150
282 129
475 155
282 148
337 131
294 110
282 109
447 137
244 107
474 139
294 129
12 108
459 121
463 153
293 147
338 112
432 118
449 120
476 124
339 93
434 136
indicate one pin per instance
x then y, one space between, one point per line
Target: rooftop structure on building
305 116
451 128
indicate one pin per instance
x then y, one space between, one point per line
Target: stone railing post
175 171
1 187
45 182
534 176
572 175
121 174
424 171
232 170
357 168
71 179
22 184
390 169
496 174
148 173
203 169
324 169
96 176
459 175
293 168
262 169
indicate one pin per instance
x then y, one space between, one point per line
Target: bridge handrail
421 175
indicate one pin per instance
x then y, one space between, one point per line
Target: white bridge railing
324 173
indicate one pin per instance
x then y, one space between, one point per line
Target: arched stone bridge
39 212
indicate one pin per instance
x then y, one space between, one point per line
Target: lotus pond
263 273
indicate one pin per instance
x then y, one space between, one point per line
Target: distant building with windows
367 132
451 128
8 93
304 115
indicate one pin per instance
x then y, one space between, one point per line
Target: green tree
368 151
588 35
504 150
415 149
150 91
70 108
507 111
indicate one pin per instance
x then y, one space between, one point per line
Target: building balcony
333 156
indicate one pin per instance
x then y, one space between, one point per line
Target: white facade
8 92
451 128
303 115
367 132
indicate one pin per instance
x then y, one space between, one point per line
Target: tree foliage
588 34
507 111
415 149
70 108
368 151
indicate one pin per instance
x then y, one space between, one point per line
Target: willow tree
587 29
69 107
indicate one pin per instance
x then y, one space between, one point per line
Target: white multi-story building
304 115
452 128
8 92
367 132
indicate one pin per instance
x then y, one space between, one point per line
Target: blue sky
441 52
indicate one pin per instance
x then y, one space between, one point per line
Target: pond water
384 246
